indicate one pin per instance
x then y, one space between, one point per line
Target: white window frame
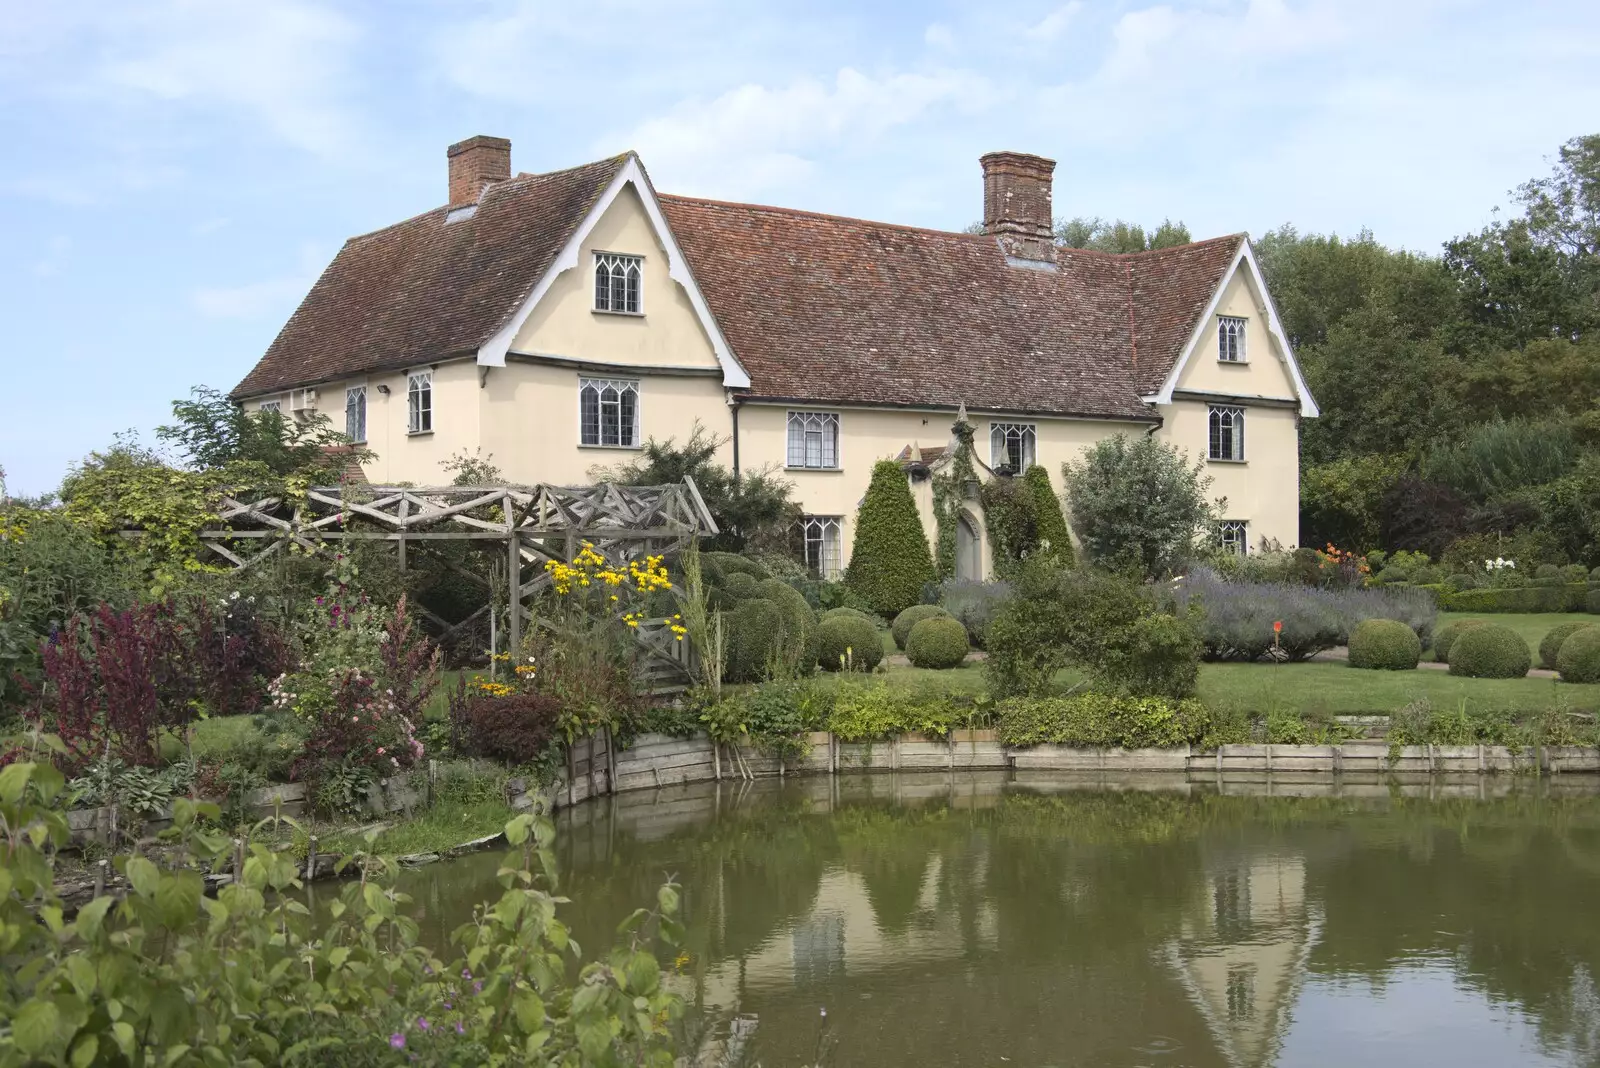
1001 438
1233 535
356 395
826 534
1230 339
627 437
812 441
619 269
1225 433
270 406
419 402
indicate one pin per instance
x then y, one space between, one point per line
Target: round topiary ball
844 636
1547 571
1384 645
937 642
1579 657
1461 581
901 627
1575 573
750 629
1550 644
1594 576
852 613
799 621
1492 651
1591 602
1447 634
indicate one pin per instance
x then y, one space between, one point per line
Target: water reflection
979 920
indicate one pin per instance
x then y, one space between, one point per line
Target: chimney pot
1016 204
475 164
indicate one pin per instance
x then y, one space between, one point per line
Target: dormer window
616 283
1230 339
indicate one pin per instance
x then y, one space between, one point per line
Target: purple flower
422 1022
397 1040
477 988
460 1030
466 973
449 1005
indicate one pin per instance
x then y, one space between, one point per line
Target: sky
177 172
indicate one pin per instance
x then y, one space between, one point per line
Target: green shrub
937 642
844 635
1578 657
1054 618
729 564
1594 576
797 645
1562 597
1103 721
1575 573
1547 571
1384 645
1460 581
974 603
1550 644
1447 635
851 613
889 559
1591 602
1050 523
1157 655
901 627
1491 651
749 630
1427 575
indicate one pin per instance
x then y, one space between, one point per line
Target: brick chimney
475 164
1016 204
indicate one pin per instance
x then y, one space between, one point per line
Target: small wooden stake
100 877
311 858
238 860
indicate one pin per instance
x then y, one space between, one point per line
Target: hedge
1550 644
1491 651
1579 658
901 627
1384 645
1563 597
841 633
937 642
1103 721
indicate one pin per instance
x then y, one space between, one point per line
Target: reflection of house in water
842 933
1242 953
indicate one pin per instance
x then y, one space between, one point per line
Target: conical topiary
1049 522
889 559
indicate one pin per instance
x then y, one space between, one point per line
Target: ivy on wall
947 494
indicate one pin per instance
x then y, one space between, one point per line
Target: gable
667 333
1264 371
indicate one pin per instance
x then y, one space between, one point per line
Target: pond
984 919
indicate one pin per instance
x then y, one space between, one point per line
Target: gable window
1011 446
1234 536
1230 339
355 413
419 403
813 439
608 412
1227 433
270 406
821 534
616 283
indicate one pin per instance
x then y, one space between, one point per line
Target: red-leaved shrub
516 728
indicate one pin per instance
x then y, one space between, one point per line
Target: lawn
1343 690
1533 626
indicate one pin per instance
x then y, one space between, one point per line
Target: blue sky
178 171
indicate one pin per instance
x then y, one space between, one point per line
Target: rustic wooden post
100 869
311 858
400 543
514 573
238 860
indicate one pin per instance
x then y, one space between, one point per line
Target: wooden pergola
531 524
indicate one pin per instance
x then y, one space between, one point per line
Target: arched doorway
969 548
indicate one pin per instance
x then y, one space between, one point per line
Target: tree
1136 505
1049 522
889 560
215 433
753 510
1119 236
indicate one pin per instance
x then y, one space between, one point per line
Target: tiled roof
817 308
425 289
833 310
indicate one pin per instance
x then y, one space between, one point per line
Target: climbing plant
947 496
1049 522
1012 520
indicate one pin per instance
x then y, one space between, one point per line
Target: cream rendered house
555 322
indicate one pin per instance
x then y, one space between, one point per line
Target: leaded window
813 439
1011 446
419 403
616 282
1230 339
1227 433
270 406
608 411
822 535
1234 536
355 413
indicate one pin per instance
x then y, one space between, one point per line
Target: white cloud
270 297
52 262
939 36
1050 28
755 137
